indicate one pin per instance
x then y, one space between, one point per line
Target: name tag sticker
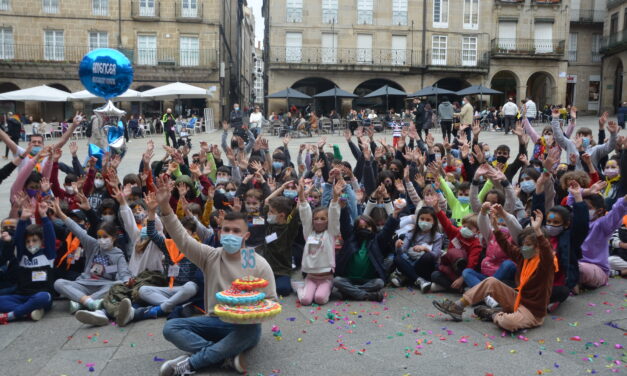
313 240
258 221
111 269
39 276
173 271
272 237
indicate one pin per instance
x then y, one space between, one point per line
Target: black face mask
501 159
622 234
364 234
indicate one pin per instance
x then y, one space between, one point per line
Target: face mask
139 217
31 192
231 243
458 170
69 189
466 232
290 193
548 139
379 228
501 159
222 180
463 102
528 186
222 191
277 165
33 248
486 154
108 218
236 108
364 234
438 156
463 199
527 251
610 172
99 183
230 195
105 243
585 142
251 208
425 226
553 230
539 169
272 219
592 214
34 151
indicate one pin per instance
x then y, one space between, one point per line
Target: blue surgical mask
586 142
31 192
231 243
222 180
553 230
425 226
143 234
463 199
277 165
290 193
466 232
35 150
528 186
230 194
222 191
527 251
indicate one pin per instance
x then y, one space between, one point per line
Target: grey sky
256 5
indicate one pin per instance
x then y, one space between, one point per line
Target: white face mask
549 139
34 248
252 208
99 183
108 218
271 219
105 243
69 189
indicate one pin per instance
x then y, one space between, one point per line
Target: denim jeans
283 285
23 305
209 339
505 272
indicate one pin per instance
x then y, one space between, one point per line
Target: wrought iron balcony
334 58
456 59
159 57
505 2
536 48
614 3
614 42
546 2
188 11
146 10
587 15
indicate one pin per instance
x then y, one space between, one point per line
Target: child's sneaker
4 318
94 305
95 318
490 302
74 307
37 314
552 307
436 288
237 363
176 367
376 296
395 279
450 308
423 284
486 313
125 312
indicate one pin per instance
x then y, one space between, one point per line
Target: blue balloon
98 153
115 135
106 72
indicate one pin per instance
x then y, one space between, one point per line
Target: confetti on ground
157 359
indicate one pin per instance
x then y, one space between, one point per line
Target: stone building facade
192 41
614 50
519 47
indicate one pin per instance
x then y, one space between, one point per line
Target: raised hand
612 127
431 199
338 188
536 222
287 139
237 204
164 190
118 195
44 186
73 148
603 119
347 134
78 118
575 190
151 202
573 113
83 203
56 154
478 154
42 208
27 209
115 161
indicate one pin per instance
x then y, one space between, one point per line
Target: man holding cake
208 339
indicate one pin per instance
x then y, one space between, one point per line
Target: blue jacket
376 246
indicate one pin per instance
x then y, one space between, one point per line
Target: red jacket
471 246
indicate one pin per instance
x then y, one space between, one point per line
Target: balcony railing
506 47
189 11
511 1
160 57
145 9
614 41
457 59
587 15
546 2
344 56
614 3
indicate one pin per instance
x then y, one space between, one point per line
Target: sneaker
95 318
236 363
125 312
376 296
450 308
486 313
395 281
423 284
176 367
434 287
74 306
490 302
4 318
552 307
94 305
37 314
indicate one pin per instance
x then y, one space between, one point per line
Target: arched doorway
540 88
507 82
59 111
5 87
367 87
452 84
618 86
5 107
312 86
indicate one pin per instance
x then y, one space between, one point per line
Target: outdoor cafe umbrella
335 93
85 96
41 93
478 89
386 91
430 91
287 94
177 91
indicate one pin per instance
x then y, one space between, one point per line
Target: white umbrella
85 96
177 90
41 93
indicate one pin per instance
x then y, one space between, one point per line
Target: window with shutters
294 11
98 39
469 51
189 51
54 45
365 10
293 47
50 6
147 49
4 5
572 47
438 49
7 50
100 7
399 12
471 14
329 11
440 13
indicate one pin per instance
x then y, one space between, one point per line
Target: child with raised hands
320 228
35 254
525 306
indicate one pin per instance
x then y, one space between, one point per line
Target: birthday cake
241 304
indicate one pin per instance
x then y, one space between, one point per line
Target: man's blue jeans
506 272
209 339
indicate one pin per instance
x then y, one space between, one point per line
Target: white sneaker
423 284
74 306
37 314
95 318
176 367
490 302
125 312
436 288
95 305
395 281
237 363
